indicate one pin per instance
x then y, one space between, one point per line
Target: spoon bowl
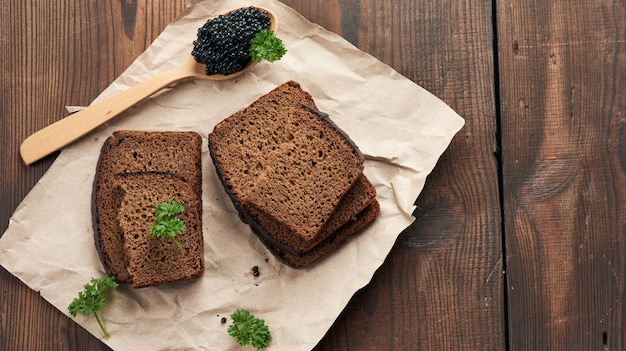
73 127
200 68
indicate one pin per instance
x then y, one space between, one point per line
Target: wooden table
519 241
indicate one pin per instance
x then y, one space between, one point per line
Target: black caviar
223 43
255 271
223 320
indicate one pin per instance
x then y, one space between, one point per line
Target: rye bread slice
239 143
149 260
361 195
248 148
353 227
136 151
304 182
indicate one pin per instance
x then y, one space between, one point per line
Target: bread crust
153 261
276 222
127 151
332 242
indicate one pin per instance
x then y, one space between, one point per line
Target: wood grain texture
54 54
563 78
413 302
442 286
545 136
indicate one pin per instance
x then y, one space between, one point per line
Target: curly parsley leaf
265 45
247 329
92 299
167 224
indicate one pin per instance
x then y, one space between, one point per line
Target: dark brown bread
358 198
153 261
362 195
288 160
137 151
292 174
305 180
349 229
240 141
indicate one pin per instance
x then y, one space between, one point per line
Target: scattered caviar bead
223 320
255 271
223 43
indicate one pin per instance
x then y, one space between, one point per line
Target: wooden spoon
75 126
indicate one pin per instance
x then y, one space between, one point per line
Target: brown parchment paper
401 129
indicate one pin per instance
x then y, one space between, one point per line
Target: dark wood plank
442 286
563 74
53 54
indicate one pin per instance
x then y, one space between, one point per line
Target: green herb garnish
265 45
247 329
167 224
92 299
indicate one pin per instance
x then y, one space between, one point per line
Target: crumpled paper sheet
401 129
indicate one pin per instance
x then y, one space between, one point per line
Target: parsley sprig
167 224
247 329
265 45
92 299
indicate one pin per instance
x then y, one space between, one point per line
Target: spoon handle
71 128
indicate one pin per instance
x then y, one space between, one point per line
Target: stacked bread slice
293 175
136 171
